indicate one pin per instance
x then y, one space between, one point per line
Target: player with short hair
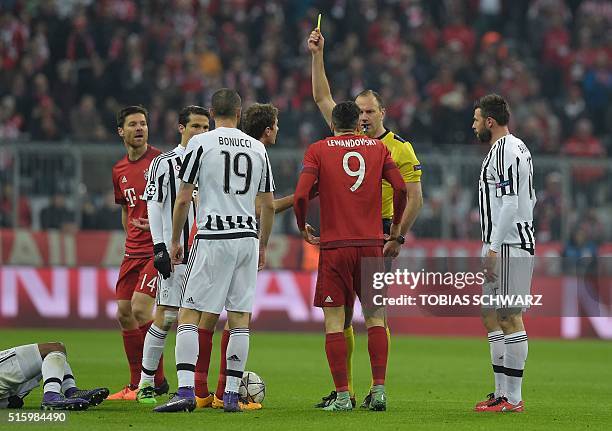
22 368
349 169
371 122
260 121
507 198
137 282
231 169
160 192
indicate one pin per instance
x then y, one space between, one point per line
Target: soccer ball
252 387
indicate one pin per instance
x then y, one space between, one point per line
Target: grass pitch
432 384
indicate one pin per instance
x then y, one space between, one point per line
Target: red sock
159 373
335 348
132 343
222 364
378 347
201 368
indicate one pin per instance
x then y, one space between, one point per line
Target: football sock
335 349
159 371
378 348
53 371
68 382
186 353
201 370
154 343
349 337
497 348
132 343
236 357
222 365
514 364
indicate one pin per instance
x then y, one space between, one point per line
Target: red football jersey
349 171
129 182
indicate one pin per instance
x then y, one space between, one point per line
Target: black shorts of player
386 226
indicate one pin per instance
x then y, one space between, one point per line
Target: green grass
432 384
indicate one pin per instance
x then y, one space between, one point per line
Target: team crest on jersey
151 189
146 174
177 167
123 179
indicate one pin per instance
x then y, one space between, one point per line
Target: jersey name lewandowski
349 171
129 182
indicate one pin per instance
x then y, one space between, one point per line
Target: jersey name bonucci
230 168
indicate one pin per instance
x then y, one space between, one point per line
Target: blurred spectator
24 212
56 215
86 122
548 211
108 216
583 144
11 122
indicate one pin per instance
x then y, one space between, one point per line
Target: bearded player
137 283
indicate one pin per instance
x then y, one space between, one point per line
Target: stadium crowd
67 66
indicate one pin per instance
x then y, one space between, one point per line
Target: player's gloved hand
161 260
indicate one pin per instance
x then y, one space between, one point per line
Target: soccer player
22 368
260 121
372 115
230 168
160 192
349 169
506 197
137 283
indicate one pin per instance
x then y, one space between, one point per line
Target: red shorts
136 275
339 278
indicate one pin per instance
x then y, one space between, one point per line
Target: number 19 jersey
230 168
349 171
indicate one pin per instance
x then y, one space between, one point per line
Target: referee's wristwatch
400 239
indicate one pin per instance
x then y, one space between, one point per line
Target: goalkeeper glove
161 260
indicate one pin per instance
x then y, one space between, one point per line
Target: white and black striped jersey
230 168
162 186
507 170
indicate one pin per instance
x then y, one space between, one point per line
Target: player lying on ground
231 169
22 368
371 118
507 198
349 169
137 283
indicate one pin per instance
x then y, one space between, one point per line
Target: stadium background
67 66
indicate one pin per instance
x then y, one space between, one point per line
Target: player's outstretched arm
320 86
179 216
266 222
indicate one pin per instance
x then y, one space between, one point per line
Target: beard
484 136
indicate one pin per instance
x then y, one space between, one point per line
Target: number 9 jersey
230 168
349 171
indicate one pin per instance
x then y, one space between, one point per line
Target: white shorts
514 272
20 370
221 273
169 290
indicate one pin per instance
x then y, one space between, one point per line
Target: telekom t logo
130 196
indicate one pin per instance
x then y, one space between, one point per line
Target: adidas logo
328 299
233 358
124 179
190 300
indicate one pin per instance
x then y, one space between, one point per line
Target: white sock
68 381
53 371
514 364
236 357
186 353
154 343
497 348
